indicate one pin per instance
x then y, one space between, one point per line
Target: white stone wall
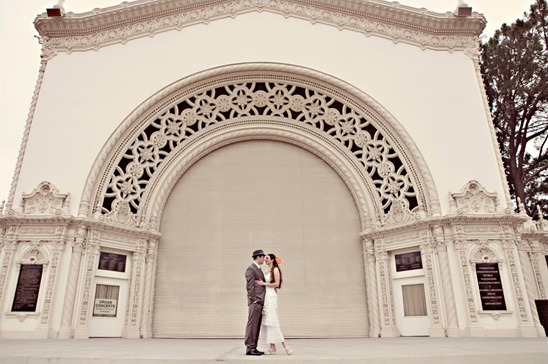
435 95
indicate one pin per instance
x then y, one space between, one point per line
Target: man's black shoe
254 352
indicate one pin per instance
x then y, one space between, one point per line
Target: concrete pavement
201 351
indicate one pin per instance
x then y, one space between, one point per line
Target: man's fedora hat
257 253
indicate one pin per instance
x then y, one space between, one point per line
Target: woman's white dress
270 325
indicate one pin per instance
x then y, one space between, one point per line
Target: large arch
348 129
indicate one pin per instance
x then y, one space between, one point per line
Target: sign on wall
106 301
490 286
408 261
113 262
28 287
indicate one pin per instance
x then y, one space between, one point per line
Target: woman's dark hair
275 265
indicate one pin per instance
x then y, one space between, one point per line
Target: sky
20 58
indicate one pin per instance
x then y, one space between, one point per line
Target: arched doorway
260 194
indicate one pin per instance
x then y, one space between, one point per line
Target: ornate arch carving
45 200
34 254
482 253
151 149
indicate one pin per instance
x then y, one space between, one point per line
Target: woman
270 326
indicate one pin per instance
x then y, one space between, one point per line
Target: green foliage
514 65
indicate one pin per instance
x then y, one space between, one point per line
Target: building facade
167 140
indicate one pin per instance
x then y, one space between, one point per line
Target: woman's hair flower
278 260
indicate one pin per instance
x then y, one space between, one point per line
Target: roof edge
130 20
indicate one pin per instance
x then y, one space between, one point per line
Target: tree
514 65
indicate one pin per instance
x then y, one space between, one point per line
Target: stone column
9 247
384 294
150 281
371 288
136 291
444 269
57 249
90 263
536 257
66 331
527 262
436 326
473 326
525 322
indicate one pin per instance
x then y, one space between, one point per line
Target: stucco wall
435 95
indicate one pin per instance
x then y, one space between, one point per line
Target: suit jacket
254 291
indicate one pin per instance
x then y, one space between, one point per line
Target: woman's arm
276 284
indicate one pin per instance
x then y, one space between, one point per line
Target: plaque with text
28 287
113 262
106 301
408 261
490 286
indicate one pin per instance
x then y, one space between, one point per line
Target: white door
110 294
409 292
410 306
109 306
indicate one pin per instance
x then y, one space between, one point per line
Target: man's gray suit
255 302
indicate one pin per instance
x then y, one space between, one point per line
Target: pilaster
473 327
9 247
148 299
444 269
135 308
526 261
78 246
90 263
371 287
436 326
525 320
57 247
384 293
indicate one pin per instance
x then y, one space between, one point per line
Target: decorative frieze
120 24
45 200
235 101
474 199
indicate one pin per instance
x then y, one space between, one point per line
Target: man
255 302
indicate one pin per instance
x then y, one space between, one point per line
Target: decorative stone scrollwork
484 254
34 255
474 199
264 96
399 213
45 200
399 23
121 214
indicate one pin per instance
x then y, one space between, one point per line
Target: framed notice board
490 286
28 287
408 261
112 262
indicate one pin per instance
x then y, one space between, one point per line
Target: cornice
512 220
36 220
131 20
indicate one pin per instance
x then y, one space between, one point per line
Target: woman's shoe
270 352
288 350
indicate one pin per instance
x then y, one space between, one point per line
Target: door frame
108 326
409 325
